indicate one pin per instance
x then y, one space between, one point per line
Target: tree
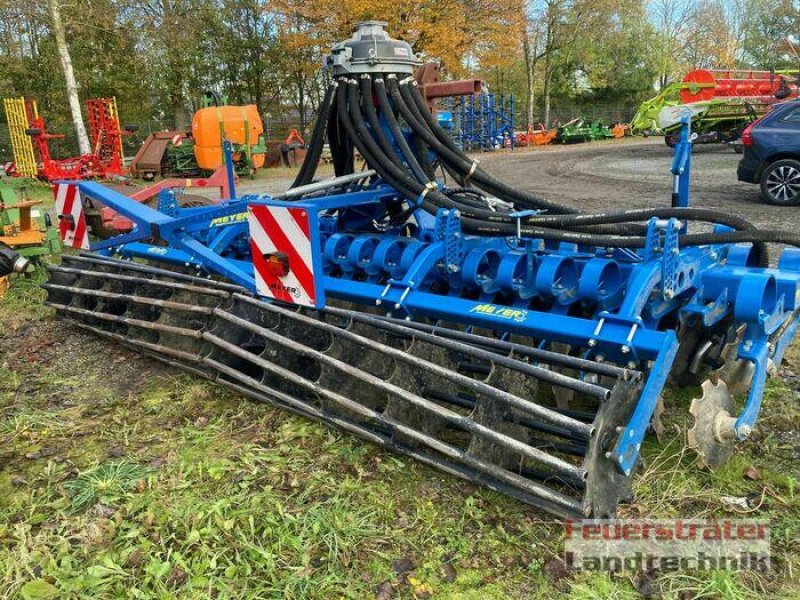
672 20
69 76
563 24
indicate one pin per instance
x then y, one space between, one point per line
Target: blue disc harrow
493 334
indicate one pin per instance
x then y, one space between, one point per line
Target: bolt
625 349
378 302
638 447
632 364
592 343
748 344
619 429
600 358
744 431
607 455
627 472
669 294
408 317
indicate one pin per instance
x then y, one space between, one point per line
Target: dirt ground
121 478
634 173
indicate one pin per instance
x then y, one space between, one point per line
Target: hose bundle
365 115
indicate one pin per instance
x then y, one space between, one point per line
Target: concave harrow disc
477 407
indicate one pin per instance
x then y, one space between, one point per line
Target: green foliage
107 483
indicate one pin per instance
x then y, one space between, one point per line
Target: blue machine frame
614 303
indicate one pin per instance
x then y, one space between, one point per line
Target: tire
780 183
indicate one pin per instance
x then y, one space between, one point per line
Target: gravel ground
633 173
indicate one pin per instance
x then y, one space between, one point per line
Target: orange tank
238 124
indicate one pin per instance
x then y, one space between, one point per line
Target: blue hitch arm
682 164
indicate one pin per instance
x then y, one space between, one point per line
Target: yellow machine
21 144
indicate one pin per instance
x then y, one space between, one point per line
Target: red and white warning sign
10 168
69 211
280 241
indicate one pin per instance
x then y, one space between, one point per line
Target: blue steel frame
631 292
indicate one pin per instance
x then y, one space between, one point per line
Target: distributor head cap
371 50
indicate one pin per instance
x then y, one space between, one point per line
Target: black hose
420 122
498 224
394 127
368 108
347 127
339 141
309 167
433 199
423 156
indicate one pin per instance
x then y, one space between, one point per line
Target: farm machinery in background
482 121
722 103
199 151
515 342
26 235
536 136
30 142
579 130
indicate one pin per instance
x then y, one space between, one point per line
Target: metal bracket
519 215
168 203
670 261
448 230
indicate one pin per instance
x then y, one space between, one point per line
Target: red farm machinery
30 141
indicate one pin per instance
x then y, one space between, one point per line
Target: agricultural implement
199 153
721 103
536 136
483 121
30 142
578 130
25 235
478 328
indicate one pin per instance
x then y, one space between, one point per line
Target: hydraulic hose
422 122
388 115
309 167
499 224
345 124
340 144
431 198
367 109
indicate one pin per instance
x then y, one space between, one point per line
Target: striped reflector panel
69 210
281 245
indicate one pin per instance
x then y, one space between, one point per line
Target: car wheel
780 182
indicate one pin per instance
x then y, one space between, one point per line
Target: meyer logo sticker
228 220
506 313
